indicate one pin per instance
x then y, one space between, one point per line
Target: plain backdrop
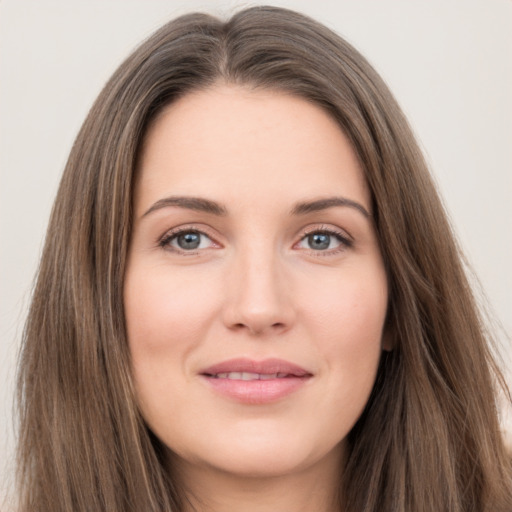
449 63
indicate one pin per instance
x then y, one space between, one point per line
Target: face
255 293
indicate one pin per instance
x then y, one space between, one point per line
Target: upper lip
266 366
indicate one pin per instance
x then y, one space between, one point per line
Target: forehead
239 144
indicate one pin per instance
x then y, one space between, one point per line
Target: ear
389 338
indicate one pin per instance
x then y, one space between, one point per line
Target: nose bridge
257 296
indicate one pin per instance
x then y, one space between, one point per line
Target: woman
250 296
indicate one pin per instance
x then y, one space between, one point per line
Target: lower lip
257 391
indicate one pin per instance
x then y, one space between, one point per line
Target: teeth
249 376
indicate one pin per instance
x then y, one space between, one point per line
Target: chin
261 467
265 464
262 456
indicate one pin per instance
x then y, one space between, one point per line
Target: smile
255 382
250 376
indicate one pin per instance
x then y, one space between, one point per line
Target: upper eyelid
325 229
184 229
206 231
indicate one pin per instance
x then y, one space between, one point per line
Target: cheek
349 310
164 311
346 322
166 319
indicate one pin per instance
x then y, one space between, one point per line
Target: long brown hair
429 437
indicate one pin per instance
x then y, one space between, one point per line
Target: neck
209 490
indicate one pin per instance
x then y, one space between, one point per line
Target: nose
258 296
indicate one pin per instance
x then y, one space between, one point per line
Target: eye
186 240
324 240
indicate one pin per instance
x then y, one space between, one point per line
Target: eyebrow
201 204
198 204
306 207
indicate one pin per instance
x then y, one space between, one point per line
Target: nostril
258 329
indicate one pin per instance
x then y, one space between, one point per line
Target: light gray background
449 63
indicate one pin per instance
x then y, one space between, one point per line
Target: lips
255 382
249 376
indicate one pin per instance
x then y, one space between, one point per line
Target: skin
254 288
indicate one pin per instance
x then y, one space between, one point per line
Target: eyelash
341 236
345 242
165 241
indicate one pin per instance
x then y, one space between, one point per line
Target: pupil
189 240
319 241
